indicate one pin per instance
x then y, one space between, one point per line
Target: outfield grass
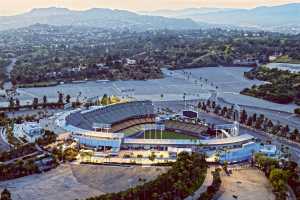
167 135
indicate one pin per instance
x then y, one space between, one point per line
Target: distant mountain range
184 13
284 18
96 17
268 18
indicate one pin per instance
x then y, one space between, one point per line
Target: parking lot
69 182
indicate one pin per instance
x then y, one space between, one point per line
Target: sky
12 7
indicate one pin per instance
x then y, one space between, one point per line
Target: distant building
130 62
268 150
30 131
174 151
239 154
272 58
2 93
245 62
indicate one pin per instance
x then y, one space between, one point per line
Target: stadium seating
119 116
192 129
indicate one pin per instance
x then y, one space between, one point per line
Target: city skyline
14 7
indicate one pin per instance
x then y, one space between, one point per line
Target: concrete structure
30 131
99 139
81 124
211 144
268 150
239 154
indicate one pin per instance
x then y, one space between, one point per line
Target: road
3 144
207 182
7 85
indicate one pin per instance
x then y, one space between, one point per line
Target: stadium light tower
184 99
236 112
236 116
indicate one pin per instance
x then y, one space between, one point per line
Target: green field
167 135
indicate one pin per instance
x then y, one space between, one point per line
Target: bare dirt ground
113 179
246 184
69 182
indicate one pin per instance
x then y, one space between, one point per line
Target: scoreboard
190 114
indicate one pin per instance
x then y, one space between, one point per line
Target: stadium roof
93 134
111 114
231 140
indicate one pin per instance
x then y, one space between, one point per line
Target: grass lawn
39 84
167 135
286 59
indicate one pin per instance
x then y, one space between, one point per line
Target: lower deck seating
194 129
132 122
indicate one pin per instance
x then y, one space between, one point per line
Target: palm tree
68 98
35 103
162 96
44 101
11 103
60 98
17 102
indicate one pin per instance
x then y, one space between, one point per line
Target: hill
284 18
96 17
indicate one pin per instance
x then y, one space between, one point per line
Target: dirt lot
114 179
246 184
69 182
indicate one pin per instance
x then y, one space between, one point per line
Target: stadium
136 125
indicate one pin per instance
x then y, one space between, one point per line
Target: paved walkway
207 182
4 145
20 158
291 194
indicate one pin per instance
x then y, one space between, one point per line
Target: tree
204 106
208 103
17 102
243 118
225 166
35 103
86 156
70 154
249 121
152 156
68 98
285 130
199 104
297 111
278 179
254 116
60 98
270 124
44 99
213 104
224 111
217 110
11 102
5 195
104 100
258 124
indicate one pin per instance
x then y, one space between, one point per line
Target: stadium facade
103 126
